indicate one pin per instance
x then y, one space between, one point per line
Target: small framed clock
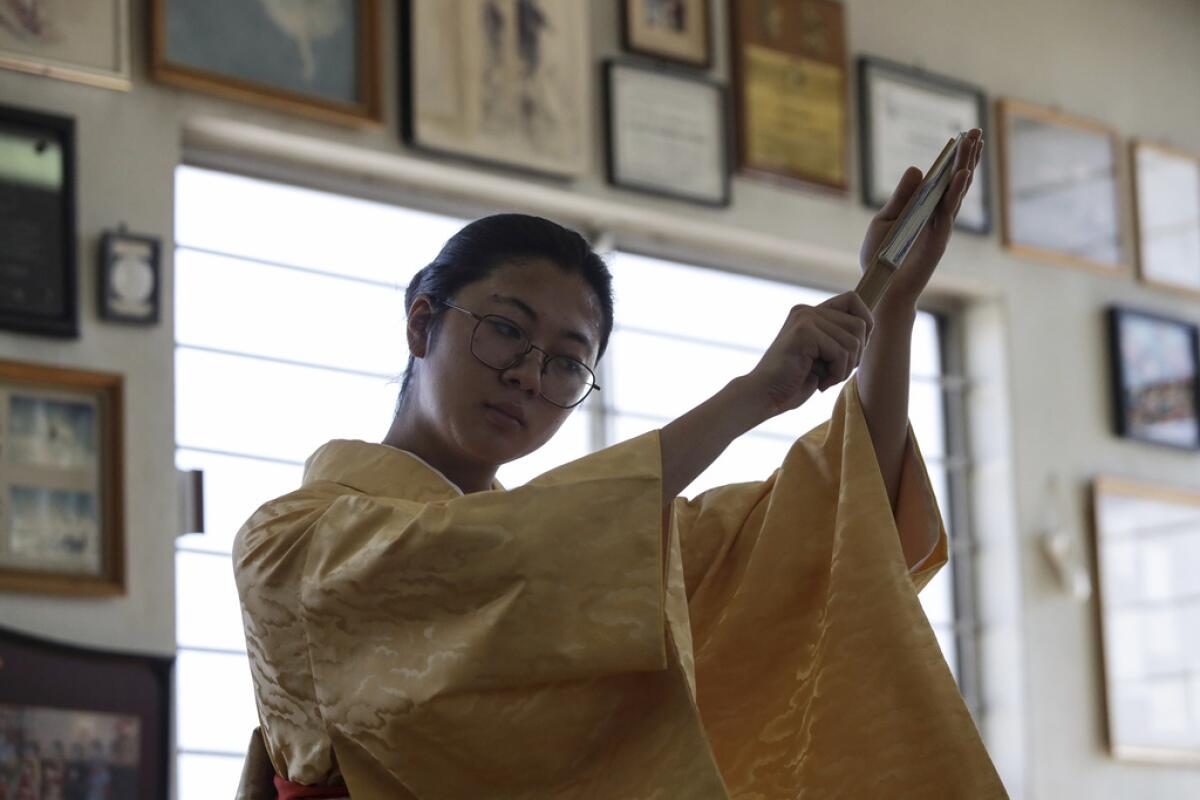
129 278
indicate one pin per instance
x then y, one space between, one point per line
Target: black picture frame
725 167
38 278
629 39
1130 403
46 676
876 191
122 253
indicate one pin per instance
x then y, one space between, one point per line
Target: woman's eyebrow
525 308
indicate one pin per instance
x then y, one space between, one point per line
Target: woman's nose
526 373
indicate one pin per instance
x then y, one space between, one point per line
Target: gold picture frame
1147 553
1060 188
61 487
1166 215
67 41
672 30
274 55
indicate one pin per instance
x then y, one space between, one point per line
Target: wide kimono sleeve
815 664
415 620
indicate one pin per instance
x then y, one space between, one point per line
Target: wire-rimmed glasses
500 343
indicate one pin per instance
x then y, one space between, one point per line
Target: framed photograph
674 30
789 78
1156 394
37 224
319 59
61 520
72 41
129 285
1059 184
907 115
501 81
666 134
78 723
1147 551
1167 212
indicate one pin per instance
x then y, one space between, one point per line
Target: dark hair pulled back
485 244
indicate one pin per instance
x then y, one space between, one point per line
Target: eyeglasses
500 343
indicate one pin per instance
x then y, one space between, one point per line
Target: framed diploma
1156 388
1167 212
789 67
502 81
1059 197
1147 549
666 134
37 224
317 59
674 30
61 520
905 115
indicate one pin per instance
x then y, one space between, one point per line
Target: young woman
415 630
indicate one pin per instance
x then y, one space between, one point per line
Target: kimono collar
381 470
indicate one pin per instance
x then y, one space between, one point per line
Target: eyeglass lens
499 343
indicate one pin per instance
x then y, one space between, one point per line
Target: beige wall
1036 333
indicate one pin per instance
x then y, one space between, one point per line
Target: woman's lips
503 418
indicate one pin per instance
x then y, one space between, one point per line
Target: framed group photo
61 520
317 59
667 133
1147 553
907 115
1156 387
790 90
82 42
1167 214
1060 188
82 723
673 30
506 82
37 224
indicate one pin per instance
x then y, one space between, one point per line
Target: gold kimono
549 641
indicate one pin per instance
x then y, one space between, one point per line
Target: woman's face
488 416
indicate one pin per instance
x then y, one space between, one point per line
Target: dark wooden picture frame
38 676
665 190
793 36
121 261
40 250
1143 224
1128 406
877 189
365 108
1136 523
1012 111
636 41
61 452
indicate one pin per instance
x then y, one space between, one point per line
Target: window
290 332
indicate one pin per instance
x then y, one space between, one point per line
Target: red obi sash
286 790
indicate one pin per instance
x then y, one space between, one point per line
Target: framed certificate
37 224
674 30
666 133
61 520
1147 546
1156 387
789 68
130 279
1167 212
1059 196
501 81
907 114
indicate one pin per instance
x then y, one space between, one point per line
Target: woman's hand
818 347
911 278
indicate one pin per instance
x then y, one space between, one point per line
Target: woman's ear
420 320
